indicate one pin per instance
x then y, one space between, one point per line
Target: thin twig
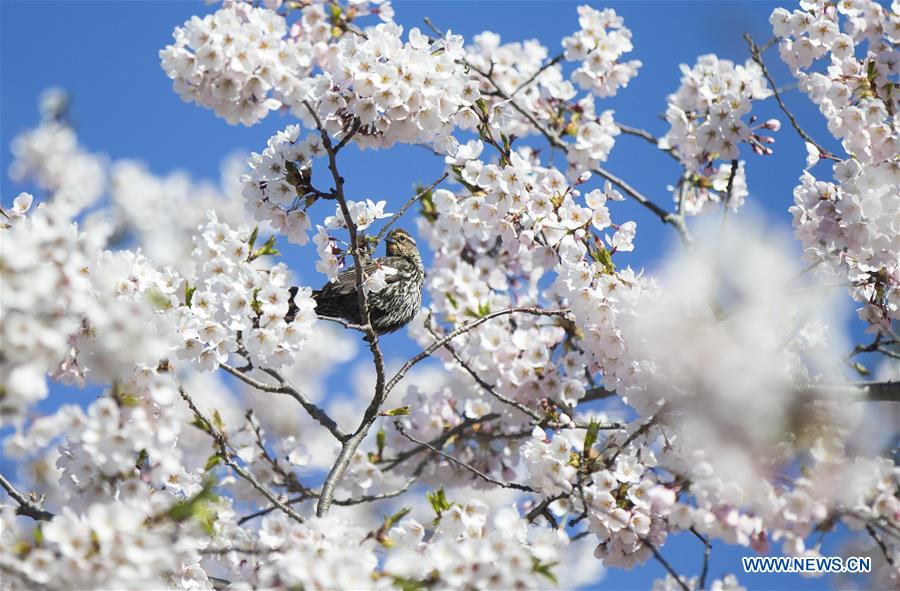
648 137
756 54
542 508
707 548
351 443
881 544
484 385
384 230
352 132
462 464
642 430
673 219
284 387
556 59
888 391
552 137
666 565
464 329
228 458
26 507
438 441
888 352
340 502
638 132
597 393
345 323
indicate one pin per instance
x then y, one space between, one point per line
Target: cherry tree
214 460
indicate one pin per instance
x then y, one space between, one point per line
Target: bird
390 308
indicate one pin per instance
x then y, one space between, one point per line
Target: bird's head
400 243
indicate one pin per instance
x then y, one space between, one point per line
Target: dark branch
756 54
26 507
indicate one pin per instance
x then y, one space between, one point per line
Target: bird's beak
389 241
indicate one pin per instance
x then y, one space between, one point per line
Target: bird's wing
345 283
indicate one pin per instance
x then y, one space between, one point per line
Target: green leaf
157 299
590 438
451 299
404 584
188 294
861 369
483 309
389 521
143 456
211 462
199 424
438 501
380 440
38 534
252 240
397 412
266 249
128 400
601 255
543 568
198 507
217 420
427 208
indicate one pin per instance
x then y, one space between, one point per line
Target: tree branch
462 464
666 565
484 385
673 219
707 548
871 391
756 54
351 443
384 230
26 507
222 452
285 387
555 60
439 441
344 502
464 329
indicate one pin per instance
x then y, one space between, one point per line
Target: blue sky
105 55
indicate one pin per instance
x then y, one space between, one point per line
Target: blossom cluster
540 93
51 156
706 123
623 503
70 310
467 545
162 213
599 45
277 183
518 70
109 544
469 550
234 306
237 62
853 220
279 190
724 411
395 91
